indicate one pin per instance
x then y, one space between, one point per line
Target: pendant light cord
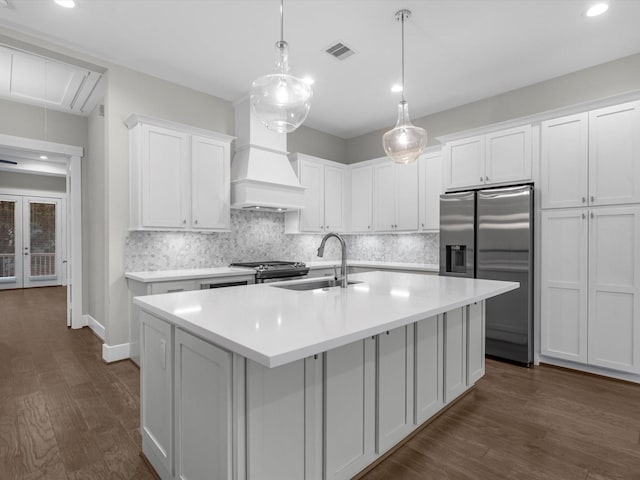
402 21
282 20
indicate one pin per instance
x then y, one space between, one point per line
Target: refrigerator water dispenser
456 258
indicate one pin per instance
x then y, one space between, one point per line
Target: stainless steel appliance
270 271
489 234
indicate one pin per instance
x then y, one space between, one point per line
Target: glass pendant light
281 101
405 142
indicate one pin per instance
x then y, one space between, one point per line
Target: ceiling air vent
340 51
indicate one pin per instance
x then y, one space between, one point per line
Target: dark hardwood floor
65 414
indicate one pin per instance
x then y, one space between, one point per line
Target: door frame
73 171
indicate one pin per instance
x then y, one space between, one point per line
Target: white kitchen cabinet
362 198
614 155
429 361
564 161
395 197
475 342
156 393
564 259
325 183
455 354
429 190
590 289
495 158
349 373
394 386
275 421
179 176
591 158
614 288
203 409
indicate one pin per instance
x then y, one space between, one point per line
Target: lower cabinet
207 413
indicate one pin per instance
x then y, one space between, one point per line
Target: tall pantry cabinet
590 238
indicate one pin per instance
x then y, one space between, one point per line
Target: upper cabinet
495 158
395 193
325 183
592 158
179 176
362 198
430 189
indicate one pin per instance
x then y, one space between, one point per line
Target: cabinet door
312 216
156 392
508 155
455 354
209 184
349 411
564 161
203 410
614 155
430 188
394 387
475 342
384 194
406 196
614 288
429 359
334 178
165 177
464 163
361 199
275 421
564 257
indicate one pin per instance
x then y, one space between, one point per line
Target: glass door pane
41 251
10 242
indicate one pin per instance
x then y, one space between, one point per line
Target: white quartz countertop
418 267
198 273
274 326
188 274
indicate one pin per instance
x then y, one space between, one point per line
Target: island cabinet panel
455 354
349 382
475 342
156 393
429 360
275 421
394 386
203 410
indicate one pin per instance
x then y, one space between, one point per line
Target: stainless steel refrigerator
489 234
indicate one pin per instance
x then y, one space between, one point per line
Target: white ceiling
457 51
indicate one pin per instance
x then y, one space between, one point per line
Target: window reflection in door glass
42 227
7 239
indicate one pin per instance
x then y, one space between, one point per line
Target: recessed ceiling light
597 9
44 157
308 80
66 3
396 88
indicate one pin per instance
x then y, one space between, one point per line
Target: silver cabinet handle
593 199
184 222
486 179
583 216
592 215
481 179
327 227
26 253
423 225
584 199
195 222
368 226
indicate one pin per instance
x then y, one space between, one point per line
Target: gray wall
319 144
601 81
94 216
31 181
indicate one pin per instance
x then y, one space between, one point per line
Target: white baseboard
113 353
605 372
94 325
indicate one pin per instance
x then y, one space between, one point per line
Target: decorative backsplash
259 236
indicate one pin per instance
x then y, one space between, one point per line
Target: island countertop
275 326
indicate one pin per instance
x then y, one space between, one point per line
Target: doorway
31 241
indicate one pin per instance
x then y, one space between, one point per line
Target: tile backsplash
258 236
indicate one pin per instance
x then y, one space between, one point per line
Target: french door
31 246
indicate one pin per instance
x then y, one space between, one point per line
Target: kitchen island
264 382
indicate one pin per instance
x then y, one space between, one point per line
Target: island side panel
455 354
429 368
475 342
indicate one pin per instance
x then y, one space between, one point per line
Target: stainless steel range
272 271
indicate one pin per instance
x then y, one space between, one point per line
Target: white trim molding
114 353
94 325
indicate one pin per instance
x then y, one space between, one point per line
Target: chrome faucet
343 265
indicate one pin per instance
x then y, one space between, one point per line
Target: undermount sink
324 283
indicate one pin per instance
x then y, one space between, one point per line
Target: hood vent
340 51
262 177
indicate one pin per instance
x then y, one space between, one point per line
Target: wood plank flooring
65 414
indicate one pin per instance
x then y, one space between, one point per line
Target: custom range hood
262 177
